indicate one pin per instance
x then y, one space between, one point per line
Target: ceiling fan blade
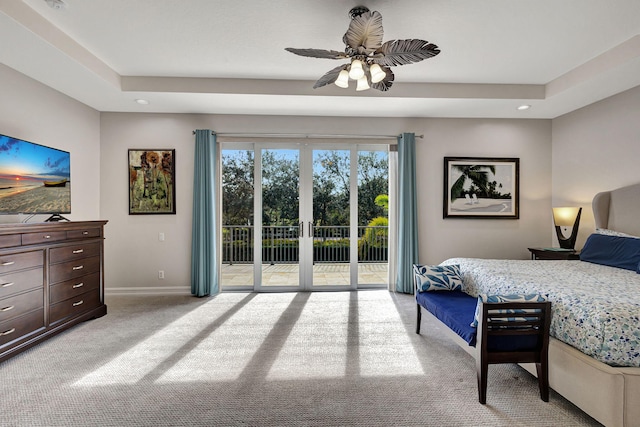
403 52
365 33
386 83
317 53
330 76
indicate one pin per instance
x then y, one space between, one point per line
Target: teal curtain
407 212
204 268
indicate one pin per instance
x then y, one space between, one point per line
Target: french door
304 232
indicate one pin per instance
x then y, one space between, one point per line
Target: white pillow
437 277
607 232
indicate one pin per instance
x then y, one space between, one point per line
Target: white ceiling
228 57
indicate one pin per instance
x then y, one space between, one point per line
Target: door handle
301 229
310 229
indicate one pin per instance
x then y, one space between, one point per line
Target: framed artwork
152 183
481 187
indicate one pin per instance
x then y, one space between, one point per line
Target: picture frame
152 181
481 187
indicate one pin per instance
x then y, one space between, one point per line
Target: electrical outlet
160 274
161 237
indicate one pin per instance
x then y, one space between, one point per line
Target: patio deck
241 275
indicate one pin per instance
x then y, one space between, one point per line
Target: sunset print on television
34 179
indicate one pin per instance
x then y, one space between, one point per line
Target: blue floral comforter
596 308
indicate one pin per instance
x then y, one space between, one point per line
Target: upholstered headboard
618 209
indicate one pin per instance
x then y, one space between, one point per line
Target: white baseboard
147 290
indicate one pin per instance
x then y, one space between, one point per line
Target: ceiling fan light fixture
356 72
377 74
363 84
343 79
370 58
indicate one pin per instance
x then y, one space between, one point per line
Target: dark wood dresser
51 278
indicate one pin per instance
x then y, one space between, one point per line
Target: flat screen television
34 179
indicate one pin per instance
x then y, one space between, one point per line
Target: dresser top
20 227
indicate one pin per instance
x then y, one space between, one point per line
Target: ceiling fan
370 58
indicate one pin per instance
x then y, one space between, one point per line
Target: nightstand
554 253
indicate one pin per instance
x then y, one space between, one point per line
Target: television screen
34 179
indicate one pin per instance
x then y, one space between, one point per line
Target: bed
594 353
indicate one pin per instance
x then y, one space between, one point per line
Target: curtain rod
303 135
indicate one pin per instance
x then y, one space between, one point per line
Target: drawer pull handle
75 304
46 236
11 307
6 285
10 331
4 264
78 251
85 233
79 285
79 267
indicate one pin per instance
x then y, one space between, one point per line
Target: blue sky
22 158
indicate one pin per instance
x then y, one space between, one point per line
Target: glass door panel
237 270
280 220
302 217
330 228
373 217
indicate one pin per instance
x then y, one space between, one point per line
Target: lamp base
569 242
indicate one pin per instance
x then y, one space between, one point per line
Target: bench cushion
453 308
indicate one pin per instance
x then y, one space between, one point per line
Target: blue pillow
614 251
437 277
482 298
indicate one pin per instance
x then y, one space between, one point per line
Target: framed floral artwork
152 182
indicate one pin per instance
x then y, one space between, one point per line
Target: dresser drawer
68 253
20 304
72 269
13 262
10 240
20 327
84 234
20 281
71 288
74 306
44 237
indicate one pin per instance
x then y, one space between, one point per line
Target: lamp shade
343 79
356 72
377 75
565 217
363 84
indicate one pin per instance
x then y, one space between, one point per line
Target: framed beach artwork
481 187
152 182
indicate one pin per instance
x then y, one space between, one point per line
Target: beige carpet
292 359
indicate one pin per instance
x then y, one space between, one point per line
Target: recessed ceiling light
142 101
524 107
56 4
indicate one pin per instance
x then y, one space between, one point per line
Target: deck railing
280 244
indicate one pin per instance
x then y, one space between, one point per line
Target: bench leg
542 370
418 319
482 371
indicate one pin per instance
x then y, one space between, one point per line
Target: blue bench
453 308
499 337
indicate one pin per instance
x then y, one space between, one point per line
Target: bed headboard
618 209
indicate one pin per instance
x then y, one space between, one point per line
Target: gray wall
134 247
596 148
34 112
529 140
564 161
